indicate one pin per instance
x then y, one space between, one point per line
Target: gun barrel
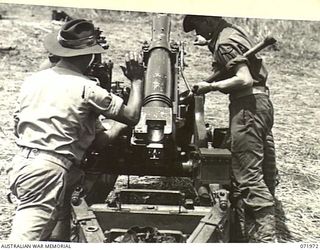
156 124
158 79
160 32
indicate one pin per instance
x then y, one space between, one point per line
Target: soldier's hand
202 88
200 41
134 69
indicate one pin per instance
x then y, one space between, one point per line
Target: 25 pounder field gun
170 140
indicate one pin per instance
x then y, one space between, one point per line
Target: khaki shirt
231 43
58 111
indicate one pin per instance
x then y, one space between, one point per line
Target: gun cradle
169 140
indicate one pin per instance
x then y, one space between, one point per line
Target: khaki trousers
43 184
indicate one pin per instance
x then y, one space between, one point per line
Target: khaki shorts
40 184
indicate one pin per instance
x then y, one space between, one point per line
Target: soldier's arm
104 137
115 131
241 79
130 113
236 64
112 106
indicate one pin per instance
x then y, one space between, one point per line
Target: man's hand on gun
134 68
202 88
205 87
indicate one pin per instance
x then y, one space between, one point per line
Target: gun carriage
170 140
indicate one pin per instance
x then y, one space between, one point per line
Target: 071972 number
309 245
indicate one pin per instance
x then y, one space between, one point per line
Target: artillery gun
170 140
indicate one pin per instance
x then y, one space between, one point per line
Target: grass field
294 74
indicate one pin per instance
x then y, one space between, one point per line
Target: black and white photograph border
293 64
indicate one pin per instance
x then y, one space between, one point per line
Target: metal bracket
85 218
83 212
144 195
208 221
87 223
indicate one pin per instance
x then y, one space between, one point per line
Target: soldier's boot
265 226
